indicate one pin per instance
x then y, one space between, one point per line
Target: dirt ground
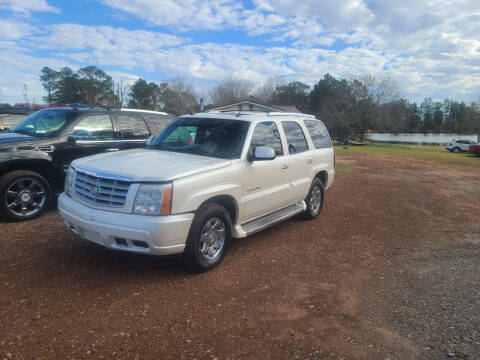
390 270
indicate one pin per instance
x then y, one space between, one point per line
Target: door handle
309 161
284 167
111 150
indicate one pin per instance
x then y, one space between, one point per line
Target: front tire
314 200
456 150
209 238
24 195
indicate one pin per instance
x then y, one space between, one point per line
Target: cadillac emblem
95 190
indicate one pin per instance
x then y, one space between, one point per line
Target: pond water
419 138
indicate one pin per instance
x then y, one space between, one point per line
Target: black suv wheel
24 195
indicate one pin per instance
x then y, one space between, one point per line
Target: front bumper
156 235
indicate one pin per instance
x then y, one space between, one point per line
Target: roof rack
77 105
281 113
145 111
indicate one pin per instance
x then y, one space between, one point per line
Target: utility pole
25 94
113 93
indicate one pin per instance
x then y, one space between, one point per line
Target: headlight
69 181
153 199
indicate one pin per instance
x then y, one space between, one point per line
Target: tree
145 95
267 92
179 97
48 78
68 87
95 87
369 94
329 101
295 93
90 85
231 91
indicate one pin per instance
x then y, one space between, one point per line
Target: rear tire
208 239
314 200
24 195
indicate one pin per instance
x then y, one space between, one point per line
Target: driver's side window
266 134
94 127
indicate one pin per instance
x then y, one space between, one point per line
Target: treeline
348 107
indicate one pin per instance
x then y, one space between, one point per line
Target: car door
90 135
133 131
266 182
300 159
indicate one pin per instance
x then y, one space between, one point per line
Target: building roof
264 107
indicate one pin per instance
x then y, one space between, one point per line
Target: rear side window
157 123
132 127
318 133
266 134
94 127
295 137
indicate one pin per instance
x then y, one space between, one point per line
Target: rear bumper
156 235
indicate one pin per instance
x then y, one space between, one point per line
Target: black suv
36 152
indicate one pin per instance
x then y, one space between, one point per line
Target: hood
150 164
10 137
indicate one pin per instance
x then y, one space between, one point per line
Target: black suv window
43 123
156 123
266 134
318 134
94 127
295 137
132 127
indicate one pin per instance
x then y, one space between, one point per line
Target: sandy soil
390 270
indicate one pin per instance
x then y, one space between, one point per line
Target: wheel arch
42 167
323 176
228 202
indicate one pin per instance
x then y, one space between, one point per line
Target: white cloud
183 14
431 47
13 30
27 6
102 38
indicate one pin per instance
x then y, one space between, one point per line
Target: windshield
208 137
43 123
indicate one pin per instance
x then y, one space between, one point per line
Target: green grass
418 152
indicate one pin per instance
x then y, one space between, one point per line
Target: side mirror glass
264 153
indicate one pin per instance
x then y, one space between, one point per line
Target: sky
430 47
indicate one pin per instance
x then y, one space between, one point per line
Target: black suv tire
30 191
211 229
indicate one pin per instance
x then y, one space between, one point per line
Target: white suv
459 145
204 179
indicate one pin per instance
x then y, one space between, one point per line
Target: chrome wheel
212 238
315 199
25 197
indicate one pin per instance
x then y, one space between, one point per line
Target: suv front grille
101 191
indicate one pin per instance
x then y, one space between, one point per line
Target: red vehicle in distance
474 149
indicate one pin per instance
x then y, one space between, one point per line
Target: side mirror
264 153
72 138
150 139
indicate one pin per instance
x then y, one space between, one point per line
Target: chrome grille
101 190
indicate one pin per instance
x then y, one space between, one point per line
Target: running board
266 221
